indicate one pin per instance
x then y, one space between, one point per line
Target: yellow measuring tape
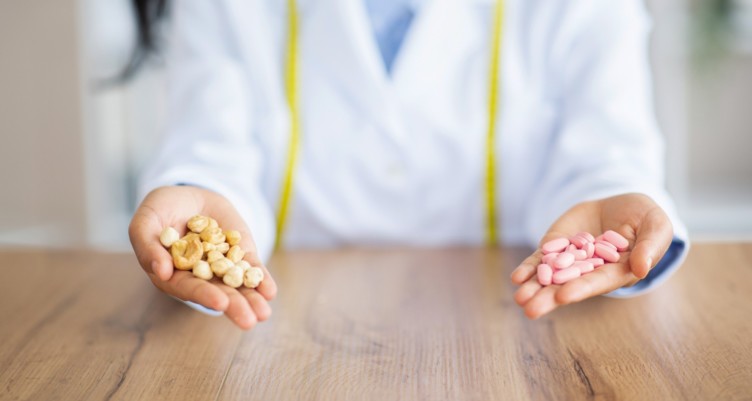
292 93
493 106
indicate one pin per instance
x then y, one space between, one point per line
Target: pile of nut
209 251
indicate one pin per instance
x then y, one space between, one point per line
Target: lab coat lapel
338 45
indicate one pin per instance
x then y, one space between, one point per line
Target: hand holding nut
167 209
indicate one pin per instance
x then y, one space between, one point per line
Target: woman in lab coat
322 123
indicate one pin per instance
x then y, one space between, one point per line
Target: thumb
144 232
654 236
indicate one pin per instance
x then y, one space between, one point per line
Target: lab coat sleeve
606 141
209 140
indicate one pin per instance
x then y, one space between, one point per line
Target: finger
144 233
654 236
527 291
258 303
238 310
602 280
527 268
542 303
268 287
185 286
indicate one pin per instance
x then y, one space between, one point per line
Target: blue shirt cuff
670 263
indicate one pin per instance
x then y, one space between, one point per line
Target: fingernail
154 265
650 263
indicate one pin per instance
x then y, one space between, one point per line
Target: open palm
173 206
635 216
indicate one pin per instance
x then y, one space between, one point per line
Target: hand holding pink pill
614 242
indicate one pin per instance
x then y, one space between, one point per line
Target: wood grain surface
354 324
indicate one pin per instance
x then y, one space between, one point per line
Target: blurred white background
72 150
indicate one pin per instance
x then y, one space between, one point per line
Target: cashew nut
198 223
221 266
235 254
213 235
208 246
214 256
223 247
190 237
185 256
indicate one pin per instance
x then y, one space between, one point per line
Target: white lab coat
399 159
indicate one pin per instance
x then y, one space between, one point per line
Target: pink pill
545 274
564 260
589 249
555 245
549 258
585 267
562 276
571 248
596 261
617 240
606 253
606 243
587 236
579 254
578 241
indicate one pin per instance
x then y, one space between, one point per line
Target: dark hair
148 14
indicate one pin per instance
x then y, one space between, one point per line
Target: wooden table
372 324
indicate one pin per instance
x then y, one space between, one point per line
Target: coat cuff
668 265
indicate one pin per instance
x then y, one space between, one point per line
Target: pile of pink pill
566 259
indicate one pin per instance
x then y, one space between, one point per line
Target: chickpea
243 265
233 277
202 270
169 236
253 277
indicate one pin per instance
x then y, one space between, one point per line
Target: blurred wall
41 152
